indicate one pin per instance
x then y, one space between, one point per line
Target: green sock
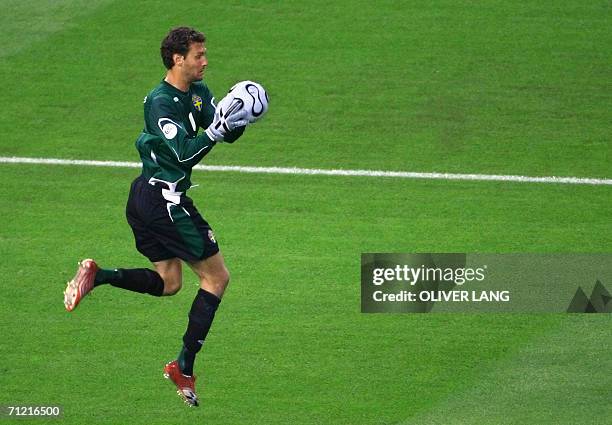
106 276
185 361
145 281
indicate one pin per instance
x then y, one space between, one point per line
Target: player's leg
214 278
143 212
166 279
195 244
171 271
145 281
212 273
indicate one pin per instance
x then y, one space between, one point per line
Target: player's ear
178 59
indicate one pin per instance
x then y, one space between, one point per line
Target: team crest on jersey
211 236
197 102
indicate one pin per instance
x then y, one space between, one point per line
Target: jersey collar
181 92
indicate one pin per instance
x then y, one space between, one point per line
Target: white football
248 95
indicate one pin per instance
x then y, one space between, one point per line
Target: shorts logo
197 102
211 236
168 127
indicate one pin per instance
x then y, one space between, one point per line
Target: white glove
229 115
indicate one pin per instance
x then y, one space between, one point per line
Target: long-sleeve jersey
169 145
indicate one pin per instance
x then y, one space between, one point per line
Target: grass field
468 87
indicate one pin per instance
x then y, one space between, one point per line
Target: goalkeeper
167 227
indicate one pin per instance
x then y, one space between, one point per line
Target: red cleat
185 385
81 284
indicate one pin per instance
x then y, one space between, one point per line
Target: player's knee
217 282
224 278
172 286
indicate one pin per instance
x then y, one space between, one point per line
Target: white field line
324 172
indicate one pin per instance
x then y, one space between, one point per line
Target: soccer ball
248 95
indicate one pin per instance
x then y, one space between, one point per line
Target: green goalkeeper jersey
169 145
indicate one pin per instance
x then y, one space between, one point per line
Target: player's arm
164 121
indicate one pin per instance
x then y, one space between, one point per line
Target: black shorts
164 229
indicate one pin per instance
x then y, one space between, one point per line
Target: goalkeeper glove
226 119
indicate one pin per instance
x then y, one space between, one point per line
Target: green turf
494 87
289 344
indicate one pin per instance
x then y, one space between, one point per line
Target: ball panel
253 98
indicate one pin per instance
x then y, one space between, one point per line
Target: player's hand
226 120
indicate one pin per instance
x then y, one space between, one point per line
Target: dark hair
178 41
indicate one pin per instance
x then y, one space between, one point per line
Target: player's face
195 62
